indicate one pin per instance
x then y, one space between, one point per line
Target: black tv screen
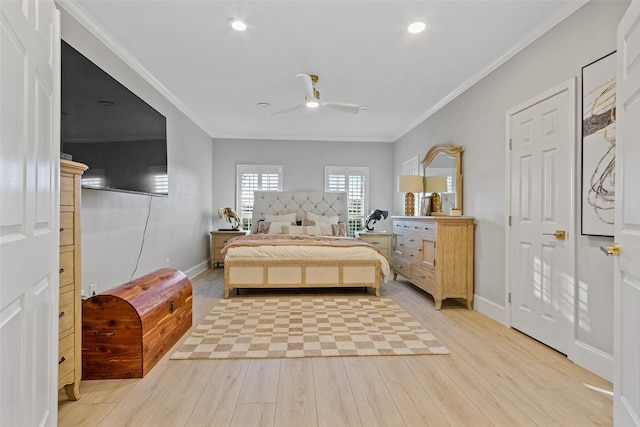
104 125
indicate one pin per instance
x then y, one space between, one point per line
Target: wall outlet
93 289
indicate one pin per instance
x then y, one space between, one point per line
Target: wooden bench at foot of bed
300 273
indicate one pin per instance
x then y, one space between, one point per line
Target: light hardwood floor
494 376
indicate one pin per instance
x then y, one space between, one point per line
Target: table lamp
410 184
435 185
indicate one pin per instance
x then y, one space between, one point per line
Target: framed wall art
598 146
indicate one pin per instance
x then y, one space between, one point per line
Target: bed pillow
263 227
339 229
276 226
302 230
272 227
322 218
281 218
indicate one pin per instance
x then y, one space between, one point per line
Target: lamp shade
436 184
410 184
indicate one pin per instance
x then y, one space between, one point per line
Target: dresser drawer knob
61 270
61 360
104 334
61 314
61 229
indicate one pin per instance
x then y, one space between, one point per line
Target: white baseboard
592 359
197 269
490 309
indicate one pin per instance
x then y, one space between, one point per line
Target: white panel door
626 323
29 147
541 275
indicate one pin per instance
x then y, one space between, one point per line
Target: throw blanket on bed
303 246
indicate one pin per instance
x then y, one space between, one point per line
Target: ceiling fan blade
306 84
347 108
288 110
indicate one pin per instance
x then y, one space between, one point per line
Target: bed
303 255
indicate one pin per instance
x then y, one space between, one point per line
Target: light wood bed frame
255 273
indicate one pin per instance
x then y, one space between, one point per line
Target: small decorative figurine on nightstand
374 216
231 216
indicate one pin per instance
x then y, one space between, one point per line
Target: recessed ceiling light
312 104
417 27
364 108
106 103
264 105
237 24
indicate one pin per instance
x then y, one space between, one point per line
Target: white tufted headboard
300 202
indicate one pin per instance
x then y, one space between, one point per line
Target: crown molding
544 27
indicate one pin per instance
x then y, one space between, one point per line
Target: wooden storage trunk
127 330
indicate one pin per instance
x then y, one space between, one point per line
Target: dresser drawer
378 242
66 360
381 241
66 314
400 266
219 240
402 226
67 196
66 228
423 278
412 255
66 267
411 240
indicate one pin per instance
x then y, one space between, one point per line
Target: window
252 178
354 181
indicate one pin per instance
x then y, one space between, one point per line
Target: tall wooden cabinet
436 254
70 316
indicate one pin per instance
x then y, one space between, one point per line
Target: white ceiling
361 51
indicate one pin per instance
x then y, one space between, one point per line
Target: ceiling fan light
416 27
312 104
237 24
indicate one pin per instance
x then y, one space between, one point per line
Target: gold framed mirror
442 168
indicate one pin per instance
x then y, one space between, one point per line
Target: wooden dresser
70 329
380 240
218 241
436 254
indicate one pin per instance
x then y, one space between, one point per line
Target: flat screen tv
104 125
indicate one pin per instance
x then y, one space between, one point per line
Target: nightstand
380 240
218 240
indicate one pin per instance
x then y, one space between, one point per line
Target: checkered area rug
307 327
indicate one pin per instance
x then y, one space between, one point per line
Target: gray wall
113 223
476 120
304 163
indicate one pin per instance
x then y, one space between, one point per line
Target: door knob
611 250
559 234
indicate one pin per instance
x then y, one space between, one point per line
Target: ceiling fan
312 97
